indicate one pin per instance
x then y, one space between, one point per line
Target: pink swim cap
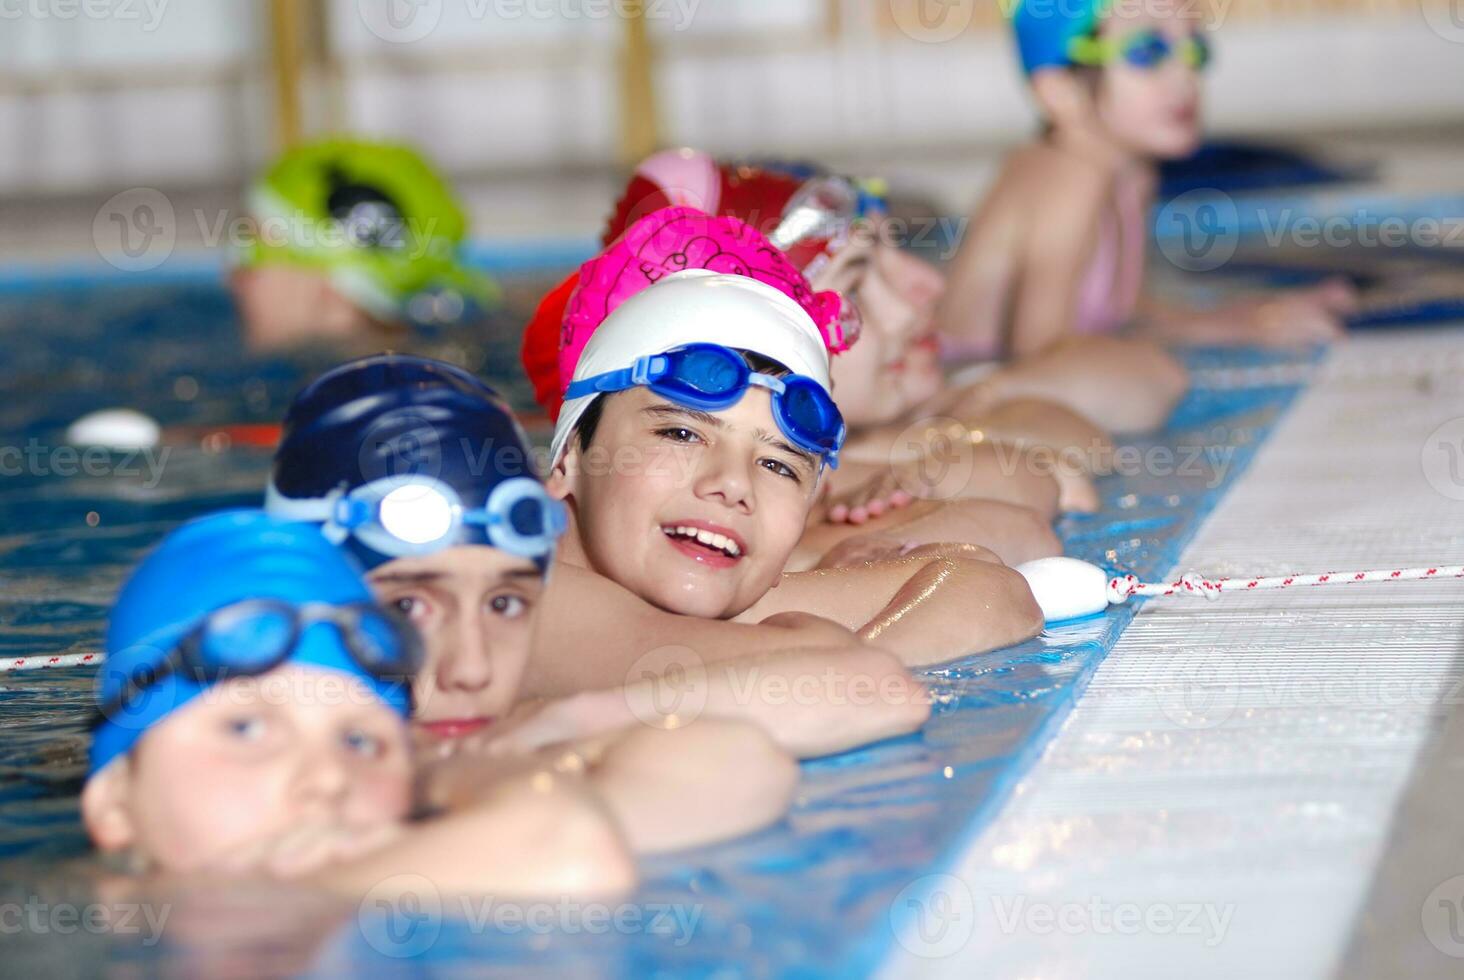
673 240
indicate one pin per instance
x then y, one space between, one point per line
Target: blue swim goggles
412 515
711 378
253 637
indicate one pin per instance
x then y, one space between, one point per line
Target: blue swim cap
206 565
399 416
1046 29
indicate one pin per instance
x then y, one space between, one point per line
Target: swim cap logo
934 917
1199 231
401 917
135 231
933 21
400 21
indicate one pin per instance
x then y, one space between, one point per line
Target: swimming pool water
822 894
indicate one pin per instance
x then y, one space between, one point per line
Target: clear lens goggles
410 515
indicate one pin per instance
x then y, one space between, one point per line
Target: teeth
709 538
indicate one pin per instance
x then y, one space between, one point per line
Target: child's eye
508 606
364 744
409 606
679 434
246 728
781 469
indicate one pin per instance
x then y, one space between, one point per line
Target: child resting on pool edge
1005 504
726 378
1058 246
247 652
412 439
1060 403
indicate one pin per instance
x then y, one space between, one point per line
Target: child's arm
810 702
923 609
1284 319
1013 533
668 788
1123 385
539 834
973 313
710 781
591 632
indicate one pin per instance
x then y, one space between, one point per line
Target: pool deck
1266 785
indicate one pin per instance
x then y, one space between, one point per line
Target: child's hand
861 549
308 848
873 498
1300 317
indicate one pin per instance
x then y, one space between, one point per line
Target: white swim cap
697 307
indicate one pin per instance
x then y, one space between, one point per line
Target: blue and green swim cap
1047 30
202 567
377 219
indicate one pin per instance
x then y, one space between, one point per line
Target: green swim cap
376 218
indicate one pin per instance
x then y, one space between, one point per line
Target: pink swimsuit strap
1109 293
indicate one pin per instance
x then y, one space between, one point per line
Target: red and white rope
11 664
1126 587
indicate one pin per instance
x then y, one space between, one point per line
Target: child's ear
105 806
1066 99
559 482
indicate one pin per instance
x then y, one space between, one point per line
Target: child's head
692 440
420 470
251 686
895 366
833 230
1130 70
352 238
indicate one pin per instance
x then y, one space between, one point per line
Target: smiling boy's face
475 607
697 513
1154 112
248 761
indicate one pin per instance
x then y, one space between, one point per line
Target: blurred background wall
97 95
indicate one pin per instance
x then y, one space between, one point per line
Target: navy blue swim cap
394 418
202 567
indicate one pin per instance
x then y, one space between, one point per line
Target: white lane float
1068 588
